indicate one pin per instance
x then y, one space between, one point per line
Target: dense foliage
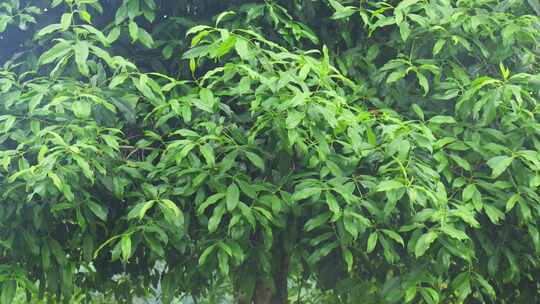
366 151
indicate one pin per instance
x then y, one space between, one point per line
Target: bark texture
274 289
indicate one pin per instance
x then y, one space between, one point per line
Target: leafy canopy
383 151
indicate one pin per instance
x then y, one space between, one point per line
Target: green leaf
395 76
85 16
9 289
372 242
197 29
111 142
212 199
430 295
100 211
349 224
145 38
118 80
207 98
294 118
389 185
81 109
215 219
242 49
442 119
344 12
154 245
394 235
406 3
9 123
114 34
461 285
423 81
96 33
4 20
65 21
223 262
140 210
133 31
535 237
171 206
121 14
305 193
535 5
208 153
83 164
255 160
477 200
125 244
463 163
51 28
6 161
228 161
199 37
494 214
105 56
438 46
223 15
205 254
247 213
133 9
81 56
223 48
332 203
336 5
35 101
59 50
57 251
468 192
410 294
485 285
171 212
454 233
185 151
233 197
299 99
512 202
498 164
317 221
348 258
423 243
404 30
525 210
418 111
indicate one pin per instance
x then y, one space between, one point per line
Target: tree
386 150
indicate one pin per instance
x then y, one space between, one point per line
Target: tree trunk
254 286
274 290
